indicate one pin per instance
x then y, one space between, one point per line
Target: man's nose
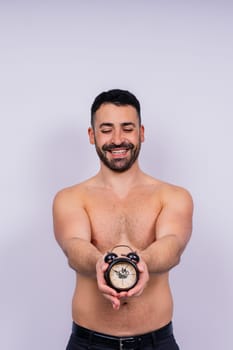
117 137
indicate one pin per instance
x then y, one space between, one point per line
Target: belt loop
139 343
90 340
154 340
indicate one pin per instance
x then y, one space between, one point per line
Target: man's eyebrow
128 124
105 124
122 124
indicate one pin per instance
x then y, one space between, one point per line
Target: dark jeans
77 342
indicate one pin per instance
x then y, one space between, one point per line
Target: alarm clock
122 273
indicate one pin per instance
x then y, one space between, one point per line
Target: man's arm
73 232
173 231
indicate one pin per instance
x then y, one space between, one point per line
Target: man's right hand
109 293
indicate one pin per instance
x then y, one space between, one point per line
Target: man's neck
120 182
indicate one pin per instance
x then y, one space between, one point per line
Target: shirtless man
121 205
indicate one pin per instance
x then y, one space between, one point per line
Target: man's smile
116 153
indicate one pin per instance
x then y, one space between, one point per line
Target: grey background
176 56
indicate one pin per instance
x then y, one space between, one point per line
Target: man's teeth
119 151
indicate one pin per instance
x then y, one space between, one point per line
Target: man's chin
119 170
119 164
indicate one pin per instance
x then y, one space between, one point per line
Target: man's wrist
145 257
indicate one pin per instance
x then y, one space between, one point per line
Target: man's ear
142 133
91 136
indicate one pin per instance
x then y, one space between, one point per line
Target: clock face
122 275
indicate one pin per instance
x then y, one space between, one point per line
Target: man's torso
128 220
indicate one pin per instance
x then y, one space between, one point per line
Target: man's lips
119 153
113 147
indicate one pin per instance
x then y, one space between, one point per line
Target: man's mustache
114 146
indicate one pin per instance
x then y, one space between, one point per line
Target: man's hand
111 294
142 282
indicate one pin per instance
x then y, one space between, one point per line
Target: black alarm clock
122 273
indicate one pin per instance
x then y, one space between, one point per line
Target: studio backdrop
56 56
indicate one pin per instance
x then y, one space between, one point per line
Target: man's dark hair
117 97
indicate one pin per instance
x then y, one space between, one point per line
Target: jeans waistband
122 342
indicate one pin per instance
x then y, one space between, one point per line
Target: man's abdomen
150 311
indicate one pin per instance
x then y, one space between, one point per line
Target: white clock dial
123 275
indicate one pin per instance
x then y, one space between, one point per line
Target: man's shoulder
74 192
168 191
171 193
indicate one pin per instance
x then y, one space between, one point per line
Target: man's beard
118 164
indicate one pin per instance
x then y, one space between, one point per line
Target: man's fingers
136 291
105 289
114 301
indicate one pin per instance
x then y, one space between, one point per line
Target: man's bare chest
130 220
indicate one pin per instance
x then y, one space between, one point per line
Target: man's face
117 136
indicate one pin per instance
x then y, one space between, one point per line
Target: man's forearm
82 256
163 254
